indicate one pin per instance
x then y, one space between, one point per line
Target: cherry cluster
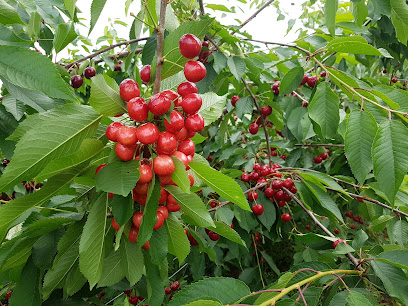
321 157
173 287
77 80
161 131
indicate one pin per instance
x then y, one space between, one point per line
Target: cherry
167 290
203 56
287 197
138 109
127 135
214 236
254 175
245 177
304 80
190 46
159 222
117 68
252 196
384 71
336 231
338 241
285 217
159 104
125 153
133 299
145 73
281 203
187 147
258 209
394 80
187 88
253 128
304 104
148 133
89 72
133 233
317 159
140 199
194 123
194 71
277 184
192 103
323 74
288 183
181 134
234 100
99 168
307 227
182 157
283 157
266 111
163 196
76 81
163 211
137 219
257 167
127 292
352 227
115 225
167 143
141 188
176 122
279 195
323 156
264 172
293 190
269 192
311 81
146 174
163 165
171 204
191 178
129 89
274 153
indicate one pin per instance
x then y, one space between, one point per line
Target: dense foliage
276 176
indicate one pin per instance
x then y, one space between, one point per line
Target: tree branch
350 256
122 54
128 42
160 39
200 2
280 44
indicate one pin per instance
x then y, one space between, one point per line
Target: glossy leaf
237 66
352 44
291 81
227 232
212 107
399 17
132 261
330 10
180 176
122 208
112 272
178 245
64 35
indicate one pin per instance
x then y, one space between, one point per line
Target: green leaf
26 291
29 69
399 18
359 239
225 186
352 44
155 282
10 213
8 15
360 133
118 177
220 61
92 243
324 110
300 124
227 232
88 149
380 223
204 303
357 299
9 38
291 80
180 176
150 212
96 10
390 276
14 106
226 290
112 272
122 208
178 243
192 206
360 12
74 281
389 156
70 6
343 248
132 261
218 7
34 26
64 34
330 10
244 106
282 282
398 258
400 232
49 140
159 246
171 45
212 107
105 98
237 66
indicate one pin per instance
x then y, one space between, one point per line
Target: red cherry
159 104
176 122
323 156
148 133
125 153
190 46
252 196
145 73
317 159
194 71
254 175
166 180
191 178
187 147
234 100
133 233
163 210
187 88
146 174
194 123
167 143
281 203
269 192
287 197
141 188
137 219
285 217
338 241
89 72
266 111
163 196
127 135
170 94
307 227
140 199
178 102
192 103
277 184
159 222
203 56
253 128
171 204
214 236
336 231
182 157
99 168
311 81
138 109
304 80
129 89
163 165
245 177
258 209
293 190
257 167
115 225
323 74
127 292
167 290
117 67
288 183
304 104
133 299
76 81
181 134
279 195
394 80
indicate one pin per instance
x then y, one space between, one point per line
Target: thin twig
301 295
200 2
350 256
279 44
160 39
252 16
128 42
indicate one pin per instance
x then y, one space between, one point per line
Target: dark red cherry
76 81
89 72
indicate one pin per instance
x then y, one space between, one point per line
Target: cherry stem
301 295
171 62
150 13
160 40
